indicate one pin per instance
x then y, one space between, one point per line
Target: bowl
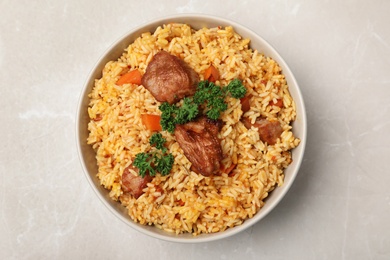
87 155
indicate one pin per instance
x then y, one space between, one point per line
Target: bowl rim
264 211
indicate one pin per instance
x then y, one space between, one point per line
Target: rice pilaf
185 201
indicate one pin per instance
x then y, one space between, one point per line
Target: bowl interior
87 155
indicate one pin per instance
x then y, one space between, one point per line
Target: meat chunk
201 145
168 78
134 184
269 131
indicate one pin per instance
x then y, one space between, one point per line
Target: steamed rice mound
185 201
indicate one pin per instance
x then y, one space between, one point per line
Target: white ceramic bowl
87 155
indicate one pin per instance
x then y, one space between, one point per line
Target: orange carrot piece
245 105
151 122
131 77
181 203
279 103
229 169
98 118
211 74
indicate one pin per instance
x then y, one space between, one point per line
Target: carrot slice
181 203
131 77
211 74
229 169
279 103
245 105
152 122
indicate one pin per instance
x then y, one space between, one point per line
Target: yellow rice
185 201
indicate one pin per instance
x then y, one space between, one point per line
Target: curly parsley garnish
158 160
236 88
173 115
207 93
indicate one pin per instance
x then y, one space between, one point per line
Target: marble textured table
339 206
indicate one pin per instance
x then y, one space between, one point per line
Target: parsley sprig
173 115
158 160
207 93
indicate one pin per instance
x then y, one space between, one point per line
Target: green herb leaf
158 160
168 117
164 164
142 162
213 96
187 112
202 92
173 115
236 88
158 140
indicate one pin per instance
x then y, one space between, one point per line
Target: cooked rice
185 201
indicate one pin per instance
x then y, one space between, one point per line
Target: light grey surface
339 206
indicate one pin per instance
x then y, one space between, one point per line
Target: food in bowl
213 170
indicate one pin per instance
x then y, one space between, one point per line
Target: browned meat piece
168 78
201 145
134 184
269 131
